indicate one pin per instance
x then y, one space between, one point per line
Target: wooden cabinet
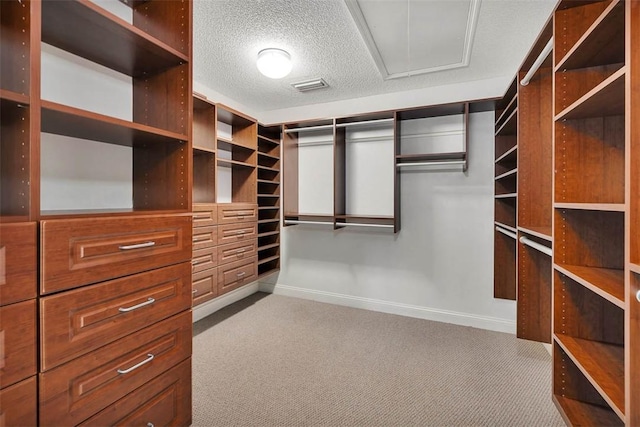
205 286
17 342
17 262
234 213
18 404
236 274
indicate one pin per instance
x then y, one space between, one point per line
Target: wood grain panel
17 262
204 259
17 342
237 251
233 233
205 286
77 390
14 55
18 406
290 173
164 401
504 269
15 122
231 213
204 125
204 237
169 21
75 252
534 294
205 214
236 274
79 321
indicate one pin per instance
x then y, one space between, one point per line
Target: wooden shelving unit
595 377
269 199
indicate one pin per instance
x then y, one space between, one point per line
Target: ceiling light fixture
274 63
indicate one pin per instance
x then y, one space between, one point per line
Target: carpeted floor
275 361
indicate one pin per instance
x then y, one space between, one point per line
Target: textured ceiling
324 41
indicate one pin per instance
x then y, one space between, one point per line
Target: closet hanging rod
365 123
359 224
536 65
451 163
535 245
507 232
308 129
296 222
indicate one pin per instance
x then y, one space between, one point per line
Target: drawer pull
195 262
137 246
137 306
240 232
242 273
150 425
201 217
137 365
200 239
240 251
195 291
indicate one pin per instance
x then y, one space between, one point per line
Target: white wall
440 265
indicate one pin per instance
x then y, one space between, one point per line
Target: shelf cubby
204 176
269 198
15 167
507 161
15 31
204 125
505 210
505 249
506 183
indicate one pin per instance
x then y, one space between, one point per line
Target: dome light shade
274 63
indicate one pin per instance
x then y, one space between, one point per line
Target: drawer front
204 259
17 342
232 233
237 212
164 401
236 274
205 215
205 286
205 237
18 405
76 322
237 251
79 389
17 262
77 252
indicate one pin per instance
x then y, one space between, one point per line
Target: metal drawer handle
150 425
638 296
240 251
194 262
240 232
242 273
200 216
195 291
199 239
137 306
137 246
137 365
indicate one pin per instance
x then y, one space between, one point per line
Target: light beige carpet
275 361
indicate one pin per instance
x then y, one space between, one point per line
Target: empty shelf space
228 144
585 414
602 364
510 126
235 163
268 156
204 150
604 207
540 232
69 121
14 97
606 282
266 168
507 174
507 112
269 140
269 233
510 156
99 36
268 182
506 196
603 43
266 260
271 246
606 99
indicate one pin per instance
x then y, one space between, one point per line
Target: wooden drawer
163 401
237 251
231 233
18 406
205 215
17 342
236 274
80 251
205 237
230 213
81 388
17 262
205 286
204 259
76 322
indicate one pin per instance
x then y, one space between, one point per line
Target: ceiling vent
308 85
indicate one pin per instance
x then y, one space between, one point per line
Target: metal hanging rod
308 129
448 163
365 123
358 224
535 245
507 232
536 65
296 222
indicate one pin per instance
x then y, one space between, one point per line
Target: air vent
308 85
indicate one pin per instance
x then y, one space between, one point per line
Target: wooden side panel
17 262
534 294
504 271
75 252
77 322
17 342
339 172
18 406
290 173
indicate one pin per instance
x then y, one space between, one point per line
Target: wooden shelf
579 413
269 233
507 174
272 196
510 156
87 213
230 144
602 364
235 163
606 99
268 156
266 260
102 37
603 43
269 140
408 158
603 207
268 208
268 272
540 232
510 126
268 221
266 168
271 246
266 181
69 121
204 150
606 282
14 97
507 112
506 196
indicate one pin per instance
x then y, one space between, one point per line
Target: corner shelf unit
269 199
596 370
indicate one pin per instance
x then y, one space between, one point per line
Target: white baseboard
427 313
210 307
